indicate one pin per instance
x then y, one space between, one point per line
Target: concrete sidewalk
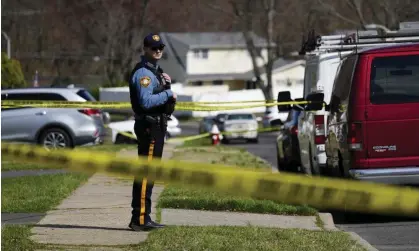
182 217
97 213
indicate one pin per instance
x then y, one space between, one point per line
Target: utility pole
8 43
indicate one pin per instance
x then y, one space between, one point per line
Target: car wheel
305 169
279 163
312 170
120 139
55 138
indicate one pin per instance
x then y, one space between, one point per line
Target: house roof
219 40
175 64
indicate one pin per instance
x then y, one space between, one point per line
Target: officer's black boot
150 225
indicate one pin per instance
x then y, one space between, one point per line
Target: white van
319 75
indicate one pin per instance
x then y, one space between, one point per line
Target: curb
329 224
327 219
361 241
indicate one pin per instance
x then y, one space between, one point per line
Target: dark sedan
287 147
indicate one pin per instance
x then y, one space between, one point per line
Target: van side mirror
315 101
298 107
284 97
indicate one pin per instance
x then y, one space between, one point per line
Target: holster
157 121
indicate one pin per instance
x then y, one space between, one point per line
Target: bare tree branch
331 10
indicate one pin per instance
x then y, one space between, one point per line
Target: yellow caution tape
230 102
321 193
203 135
183 106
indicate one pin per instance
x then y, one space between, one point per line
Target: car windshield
240 116
86 95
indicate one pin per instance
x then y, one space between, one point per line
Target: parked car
235 123
51 127
127 127
287 146
273 117
374 116
205 124
220 119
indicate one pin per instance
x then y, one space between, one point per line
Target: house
211 58
288 75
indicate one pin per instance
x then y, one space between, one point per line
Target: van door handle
41 113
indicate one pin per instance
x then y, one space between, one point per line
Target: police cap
153 41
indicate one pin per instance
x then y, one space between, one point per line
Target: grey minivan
51 127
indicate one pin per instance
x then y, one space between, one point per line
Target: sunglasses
157 48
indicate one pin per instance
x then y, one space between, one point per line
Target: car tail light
90 112
320 137
294 130
355 136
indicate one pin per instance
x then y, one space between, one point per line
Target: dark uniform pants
150 143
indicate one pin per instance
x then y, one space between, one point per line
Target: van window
394 80
342 84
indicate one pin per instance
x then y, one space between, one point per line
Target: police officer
152 101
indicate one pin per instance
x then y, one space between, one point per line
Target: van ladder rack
355 40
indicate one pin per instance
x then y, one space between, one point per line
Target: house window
217 82
250 85
204 53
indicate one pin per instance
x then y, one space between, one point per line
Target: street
384 233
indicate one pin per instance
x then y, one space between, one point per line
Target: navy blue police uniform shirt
145 82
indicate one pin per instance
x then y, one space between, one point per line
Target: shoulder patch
145 81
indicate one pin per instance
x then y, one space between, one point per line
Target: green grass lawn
8 164
17 237
206 141
37 193
110 147
246 238
184 197
32 194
